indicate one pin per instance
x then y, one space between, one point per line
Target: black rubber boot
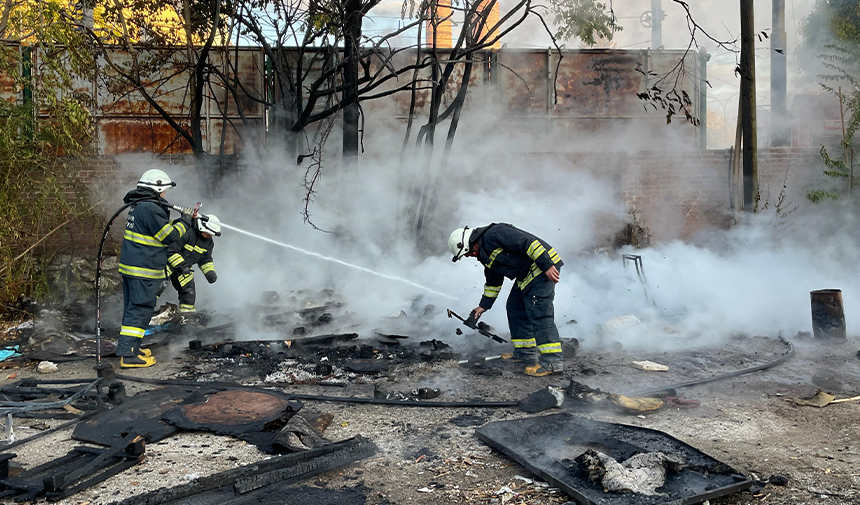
125 345
137 359
136 362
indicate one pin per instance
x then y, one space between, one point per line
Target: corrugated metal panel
127 123
8 90
523 80
398 104
250 64
601 83
166 85
599 86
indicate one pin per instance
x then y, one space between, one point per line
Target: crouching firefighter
533 265
142 261
195 247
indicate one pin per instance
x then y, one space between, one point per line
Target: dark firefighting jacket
191 249
148 232
507 251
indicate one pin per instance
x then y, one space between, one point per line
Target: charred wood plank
290 467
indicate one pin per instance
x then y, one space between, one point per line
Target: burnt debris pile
309 340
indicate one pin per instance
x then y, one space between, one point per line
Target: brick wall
100 182
674 194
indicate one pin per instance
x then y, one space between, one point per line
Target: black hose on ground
321 398
403 403
650 392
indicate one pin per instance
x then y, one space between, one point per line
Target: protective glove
185 270
211 277
187 213
161 288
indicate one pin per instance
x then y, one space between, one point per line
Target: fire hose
729 375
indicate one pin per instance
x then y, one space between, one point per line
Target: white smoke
754 279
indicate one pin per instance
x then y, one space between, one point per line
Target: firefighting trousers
531 319
138 304
184 286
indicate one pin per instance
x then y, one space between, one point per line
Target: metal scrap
233 412
547 446
141 412
81 468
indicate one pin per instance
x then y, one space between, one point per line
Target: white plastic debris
26 325
558 393
505 489
524 479
47 367
425 490
624 324
650 366
191 476
642 473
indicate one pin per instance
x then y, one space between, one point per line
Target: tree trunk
198 81
459 100
351 54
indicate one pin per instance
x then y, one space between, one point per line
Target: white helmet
155 179
211 226
458 242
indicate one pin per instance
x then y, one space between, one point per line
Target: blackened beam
291 467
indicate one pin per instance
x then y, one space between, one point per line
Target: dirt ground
431 455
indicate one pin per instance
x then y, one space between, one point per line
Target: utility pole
88 19
656 24
779 124
748 105
704 57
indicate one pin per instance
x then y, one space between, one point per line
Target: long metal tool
473 323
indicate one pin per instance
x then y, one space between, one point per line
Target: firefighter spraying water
145 264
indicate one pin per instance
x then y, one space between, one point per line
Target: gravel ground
431 455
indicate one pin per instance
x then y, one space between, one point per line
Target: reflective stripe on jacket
192 248
507 251
148 232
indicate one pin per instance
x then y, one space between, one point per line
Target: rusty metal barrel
828 315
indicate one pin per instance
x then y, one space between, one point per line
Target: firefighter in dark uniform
533 265
142 262
195 247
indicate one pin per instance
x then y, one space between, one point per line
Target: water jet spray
339 262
